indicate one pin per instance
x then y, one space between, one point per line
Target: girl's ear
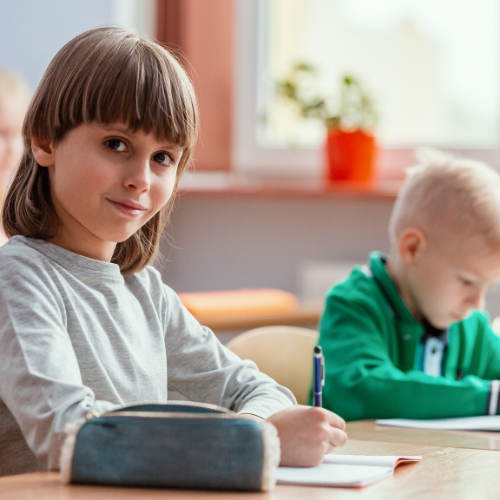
43 151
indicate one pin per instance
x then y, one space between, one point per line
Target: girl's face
106 182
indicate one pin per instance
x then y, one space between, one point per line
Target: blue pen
319 376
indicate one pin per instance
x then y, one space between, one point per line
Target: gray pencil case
178 444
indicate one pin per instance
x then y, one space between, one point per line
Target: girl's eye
116 145
163 159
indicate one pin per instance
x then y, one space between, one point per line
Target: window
137 14
433 69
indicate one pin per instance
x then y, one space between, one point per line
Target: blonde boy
405 336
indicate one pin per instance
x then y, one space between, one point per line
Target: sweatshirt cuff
264 407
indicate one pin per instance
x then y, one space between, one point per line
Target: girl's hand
307 433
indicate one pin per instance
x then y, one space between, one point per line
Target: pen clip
322 370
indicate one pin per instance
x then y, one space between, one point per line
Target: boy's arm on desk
362 381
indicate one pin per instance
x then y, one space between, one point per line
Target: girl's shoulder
38 261
25 271
151 280
16 253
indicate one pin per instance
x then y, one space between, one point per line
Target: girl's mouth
127 207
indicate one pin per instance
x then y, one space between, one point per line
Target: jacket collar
388 288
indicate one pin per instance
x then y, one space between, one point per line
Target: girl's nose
138 175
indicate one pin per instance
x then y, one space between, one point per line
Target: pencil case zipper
122 412
173 414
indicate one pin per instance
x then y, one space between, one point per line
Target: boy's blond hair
449 198
105 75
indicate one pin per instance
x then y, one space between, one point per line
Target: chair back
285 353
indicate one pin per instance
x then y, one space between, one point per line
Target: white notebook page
333 475
484 423
343 470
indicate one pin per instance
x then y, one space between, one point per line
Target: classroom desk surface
304 315
367 430
444 472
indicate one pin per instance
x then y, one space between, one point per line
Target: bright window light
432 67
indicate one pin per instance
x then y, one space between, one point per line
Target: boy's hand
306 434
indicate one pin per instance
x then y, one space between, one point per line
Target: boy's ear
412 244
43 151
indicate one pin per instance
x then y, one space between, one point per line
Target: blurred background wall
214 241
31 31
234 242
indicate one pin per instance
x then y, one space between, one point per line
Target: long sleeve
362 380
77 336
201 368
40 380
489 346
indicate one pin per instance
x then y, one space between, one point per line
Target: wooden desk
444 472
367 430
306 315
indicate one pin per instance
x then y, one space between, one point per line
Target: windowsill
227 184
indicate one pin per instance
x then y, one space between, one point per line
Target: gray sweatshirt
77 336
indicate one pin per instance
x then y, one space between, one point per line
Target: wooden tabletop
444 472
303 315
367 430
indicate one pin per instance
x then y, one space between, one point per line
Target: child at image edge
404 336
14 99
85 323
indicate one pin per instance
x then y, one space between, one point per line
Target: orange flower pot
350 155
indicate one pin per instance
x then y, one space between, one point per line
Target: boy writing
404 336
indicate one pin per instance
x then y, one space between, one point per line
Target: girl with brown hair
86 324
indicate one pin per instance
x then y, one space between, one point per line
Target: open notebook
484 423
343 471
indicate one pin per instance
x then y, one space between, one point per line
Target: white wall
32 31
227 242
223 242
219 243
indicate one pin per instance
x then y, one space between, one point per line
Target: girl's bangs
140 86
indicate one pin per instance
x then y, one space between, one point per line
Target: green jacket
371 343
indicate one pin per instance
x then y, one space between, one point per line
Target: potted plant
350 143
